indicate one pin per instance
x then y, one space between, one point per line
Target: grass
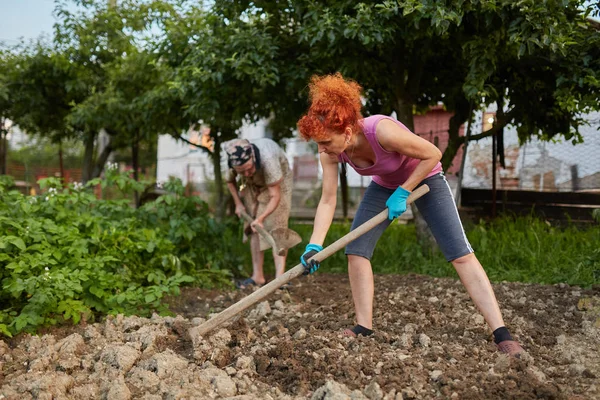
523 249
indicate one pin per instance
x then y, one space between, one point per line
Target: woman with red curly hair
398 161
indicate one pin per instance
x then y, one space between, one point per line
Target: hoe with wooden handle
280 239
298 270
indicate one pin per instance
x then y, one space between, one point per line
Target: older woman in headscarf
262 171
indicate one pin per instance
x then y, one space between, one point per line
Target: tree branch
502 121
199 146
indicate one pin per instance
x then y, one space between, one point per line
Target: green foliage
221 66
41 86
64 255
136 69
224 72
523 249
194 236
41 152
539 59
530 250
94 75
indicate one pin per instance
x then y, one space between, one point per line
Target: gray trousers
437 208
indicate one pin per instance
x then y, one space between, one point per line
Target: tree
39 86
542 84
410 55
413 54
41 152
55 89
107 41
222 68
458 52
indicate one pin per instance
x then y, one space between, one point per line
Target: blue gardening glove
310 267
397 202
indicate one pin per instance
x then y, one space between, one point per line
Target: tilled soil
430 343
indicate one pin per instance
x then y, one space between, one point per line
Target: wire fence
555 166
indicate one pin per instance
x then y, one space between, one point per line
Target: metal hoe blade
285 239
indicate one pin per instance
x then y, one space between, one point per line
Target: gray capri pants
437 207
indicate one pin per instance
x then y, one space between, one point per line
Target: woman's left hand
255 223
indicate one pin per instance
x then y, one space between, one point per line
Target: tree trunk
344 189
135 165
404 110
424 237
497 140
88 157
3 153
461 114
494 157
454 143
101 160
4 147
463 161
60 162
500 142
500 135
450 152
216 159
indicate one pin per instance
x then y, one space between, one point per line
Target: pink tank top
391 169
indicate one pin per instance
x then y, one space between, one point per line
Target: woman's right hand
239 209
310 267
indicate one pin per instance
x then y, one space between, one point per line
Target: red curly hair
335 105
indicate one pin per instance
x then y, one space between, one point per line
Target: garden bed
430 342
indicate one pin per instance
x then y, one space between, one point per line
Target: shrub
65 255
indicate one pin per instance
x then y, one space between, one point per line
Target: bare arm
274 197
236 197
326 207
392 137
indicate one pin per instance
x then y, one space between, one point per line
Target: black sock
361 330
501 334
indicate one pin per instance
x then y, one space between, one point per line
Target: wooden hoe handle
266 235
298 270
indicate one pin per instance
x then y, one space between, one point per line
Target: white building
16 138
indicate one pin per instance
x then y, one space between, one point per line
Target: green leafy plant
65 255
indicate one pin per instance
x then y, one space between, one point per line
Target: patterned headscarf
239 152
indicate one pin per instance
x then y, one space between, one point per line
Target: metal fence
555 166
